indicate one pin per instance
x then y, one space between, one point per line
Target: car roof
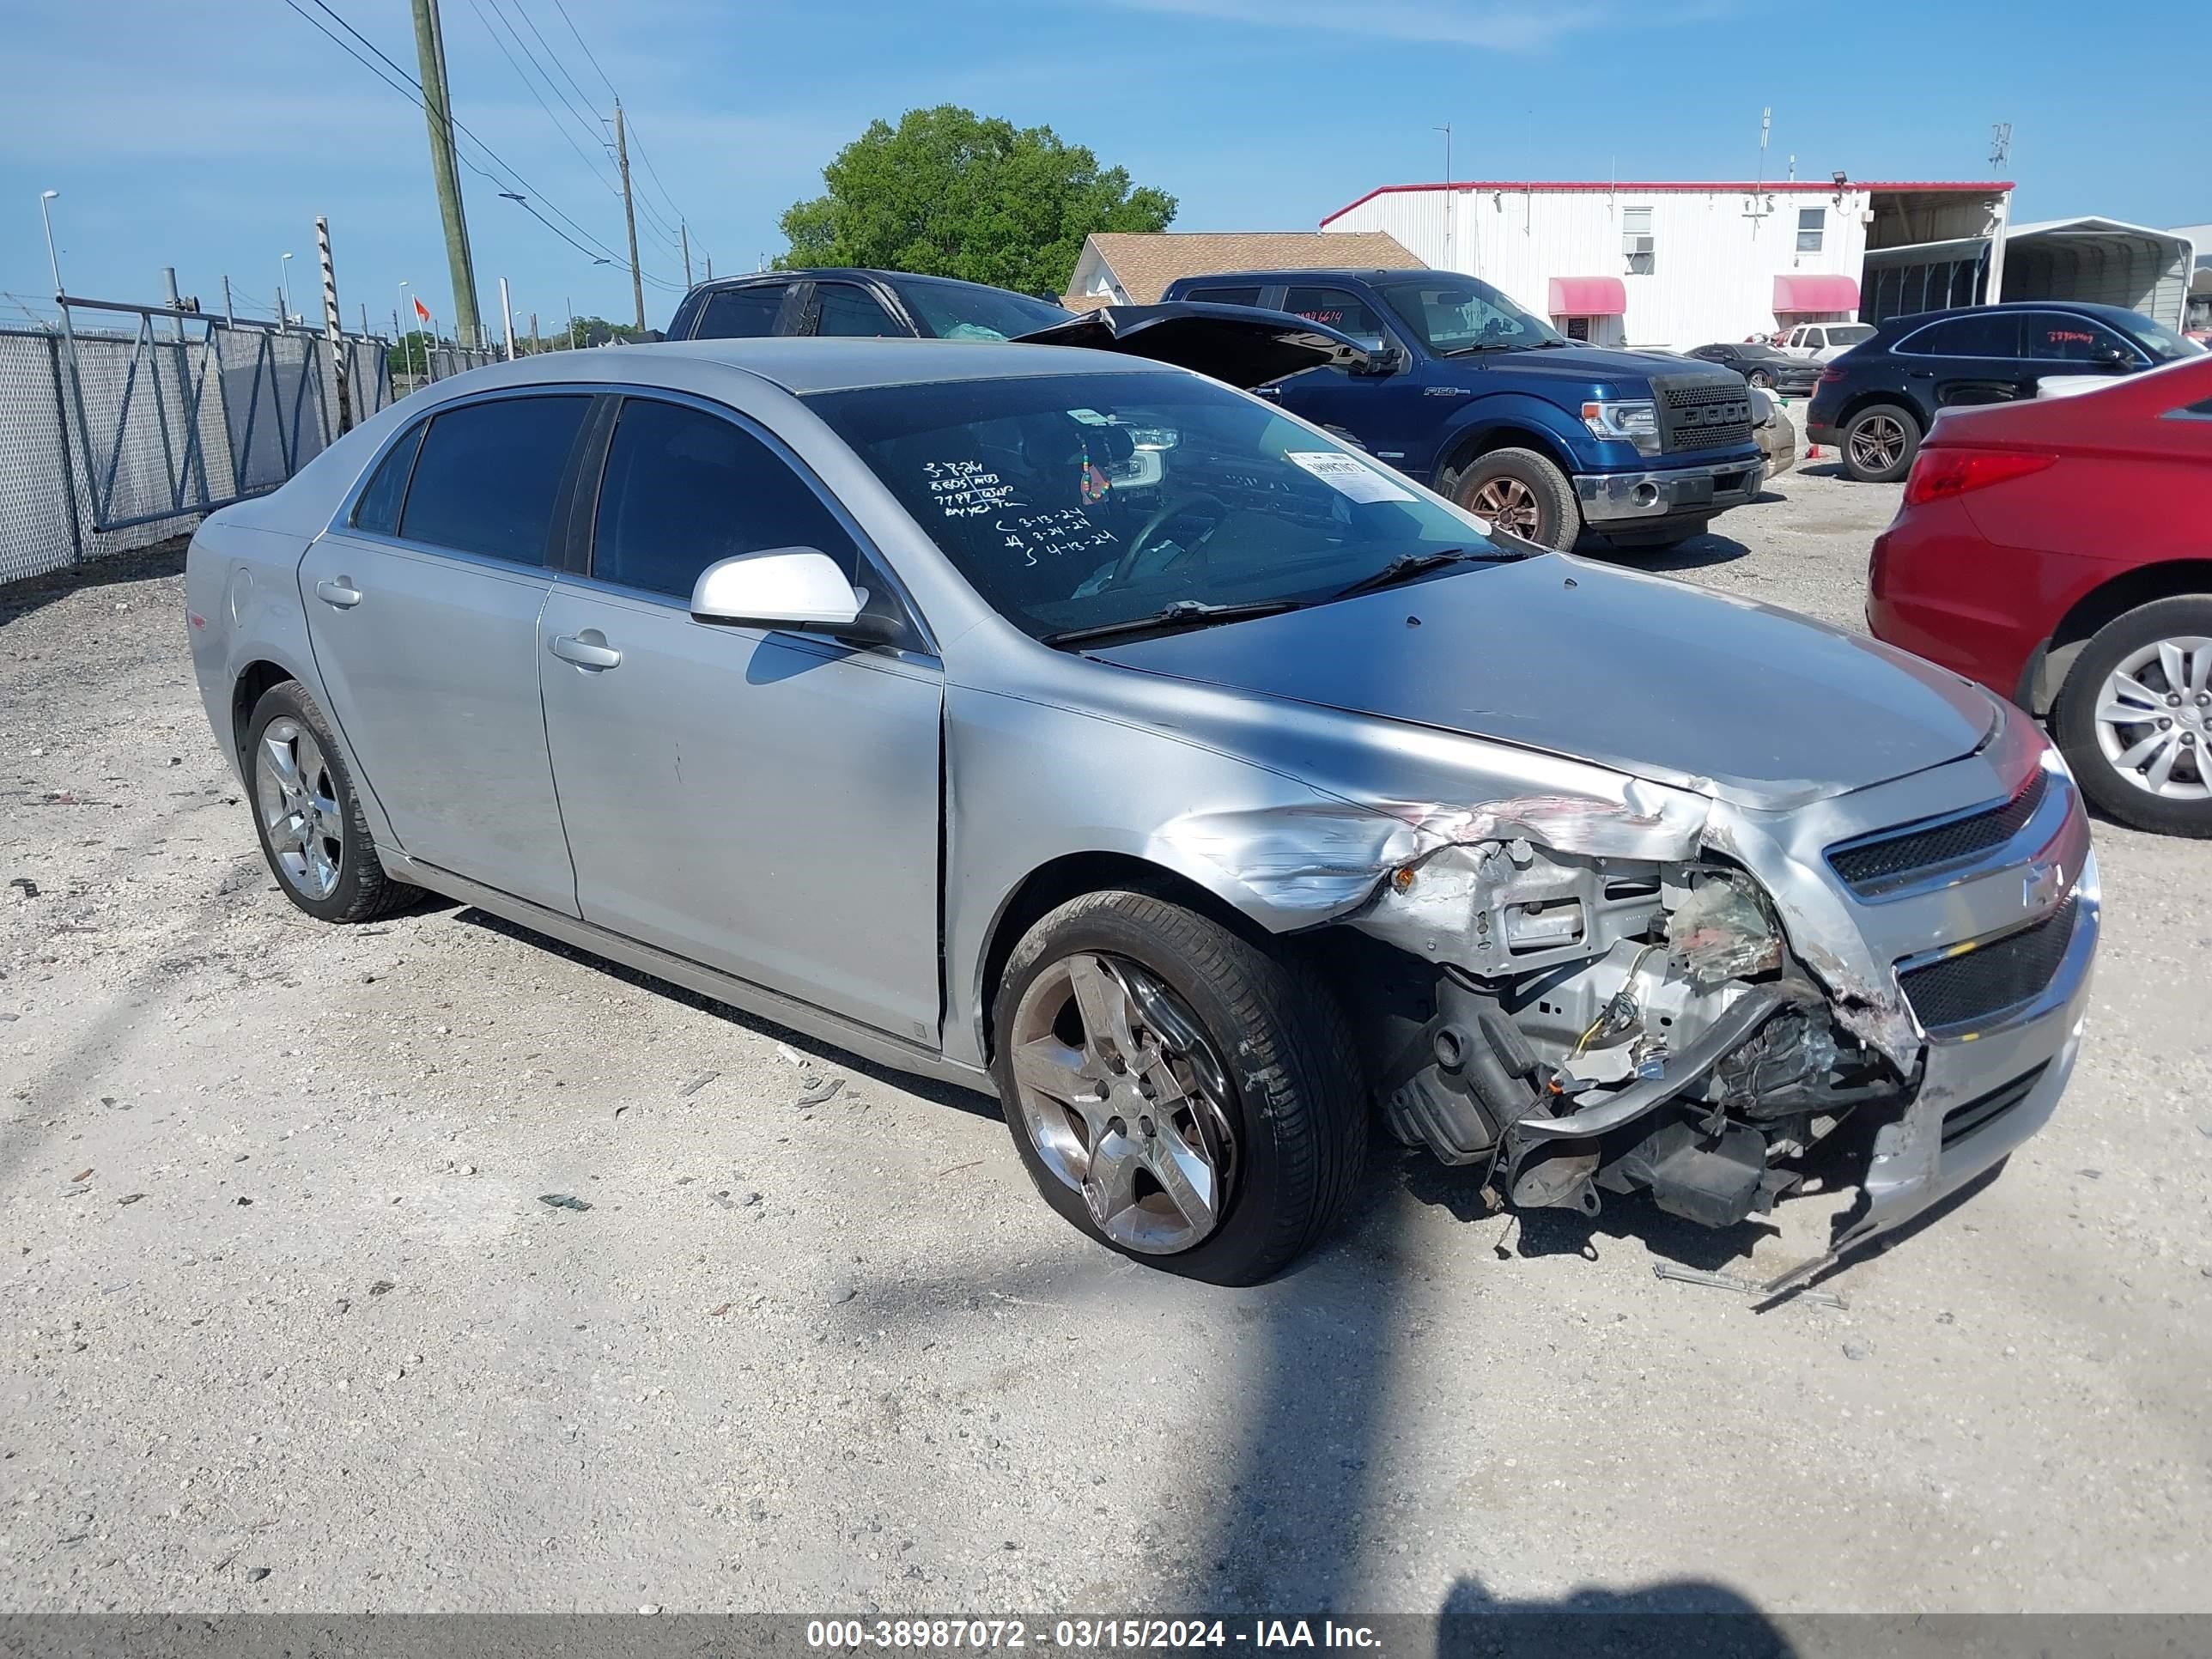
801 365
850 273
2120 316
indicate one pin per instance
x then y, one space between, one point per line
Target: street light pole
46 219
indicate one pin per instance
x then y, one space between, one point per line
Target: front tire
1175 1091
307 813
1879 443
1523 494
2135 717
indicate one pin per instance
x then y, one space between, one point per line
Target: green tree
949 193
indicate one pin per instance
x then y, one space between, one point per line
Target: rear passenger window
1344 312
741 313
485 480
1997 334
378 509
683 489
1226 296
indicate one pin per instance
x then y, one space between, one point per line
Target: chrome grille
1875 865
1955 992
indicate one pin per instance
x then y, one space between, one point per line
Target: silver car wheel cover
1878 442
2154 718
297 798
1125 1100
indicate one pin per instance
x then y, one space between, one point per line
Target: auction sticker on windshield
1347 476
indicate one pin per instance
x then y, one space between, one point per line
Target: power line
596 69
531 87
600 69
409 88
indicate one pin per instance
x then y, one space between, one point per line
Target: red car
2059 550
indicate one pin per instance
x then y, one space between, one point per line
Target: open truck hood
1241 345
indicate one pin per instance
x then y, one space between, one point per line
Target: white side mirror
797 587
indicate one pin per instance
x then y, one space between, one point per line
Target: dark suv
1876 402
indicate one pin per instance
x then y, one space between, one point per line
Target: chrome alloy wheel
1507 503
2154 718
1878 442
298 803
1125 1100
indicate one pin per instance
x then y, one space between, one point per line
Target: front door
764 803
1385 412
422 612
1967 361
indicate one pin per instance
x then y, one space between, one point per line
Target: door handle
338 591
587 650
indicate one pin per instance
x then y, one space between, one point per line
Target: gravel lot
284 1323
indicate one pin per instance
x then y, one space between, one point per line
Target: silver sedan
1087 733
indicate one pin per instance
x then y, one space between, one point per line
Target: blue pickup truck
1466 392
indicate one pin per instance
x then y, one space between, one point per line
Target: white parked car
1822 341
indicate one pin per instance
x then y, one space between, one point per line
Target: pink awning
1588 296
1815 294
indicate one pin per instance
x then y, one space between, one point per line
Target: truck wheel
1522 494
2135 718
1175 1091
1879 443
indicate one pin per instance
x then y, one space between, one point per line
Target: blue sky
177 142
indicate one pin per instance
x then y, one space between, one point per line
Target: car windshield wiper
1480 345
1179 618
1406 566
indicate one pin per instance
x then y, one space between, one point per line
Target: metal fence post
69 466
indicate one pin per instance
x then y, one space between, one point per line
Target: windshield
2161 342
967 311
1080 500
1458 314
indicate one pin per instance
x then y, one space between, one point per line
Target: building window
1636 240
1578 329
1811 222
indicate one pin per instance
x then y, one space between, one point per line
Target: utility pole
333 325
507 319
710 267
629 214
438 111
684 230
533 334
230 316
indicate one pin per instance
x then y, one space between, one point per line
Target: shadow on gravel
1674 1616
22 597
943 1094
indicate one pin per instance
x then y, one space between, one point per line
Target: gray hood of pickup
1745 703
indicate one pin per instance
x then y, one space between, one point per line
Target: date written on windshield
1087 1635
1056 535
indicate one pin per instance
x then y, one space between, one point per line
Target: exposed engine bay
1609 1025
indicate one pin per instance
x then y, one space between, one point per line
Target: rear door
761 802
422 610
751 311
1964 362
840 310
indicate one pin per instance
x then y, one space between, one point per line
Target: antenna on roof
1752 210
2000 145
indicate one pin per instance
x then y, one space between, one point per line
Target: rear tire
307 813
1523 494
1245 1095
2096 736
1879 443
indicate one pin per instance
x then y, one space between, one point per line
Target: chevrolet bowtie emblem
2042 885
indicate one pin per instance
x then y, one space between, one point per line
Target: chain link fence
125 424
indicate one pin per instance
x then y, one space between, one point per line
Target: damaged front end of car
1654 990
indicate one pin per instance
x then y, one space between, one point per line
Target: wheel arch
2044 677
1071 875
1863 401
1482 436
253 682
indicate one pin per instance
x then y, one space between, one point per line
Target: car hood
1581 364
1738 700
1243 345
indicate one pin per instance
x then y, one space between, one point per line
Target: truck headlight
1635 421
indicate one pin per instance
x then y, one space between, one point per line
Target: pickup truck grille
1954 992
1702 412
1876 865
